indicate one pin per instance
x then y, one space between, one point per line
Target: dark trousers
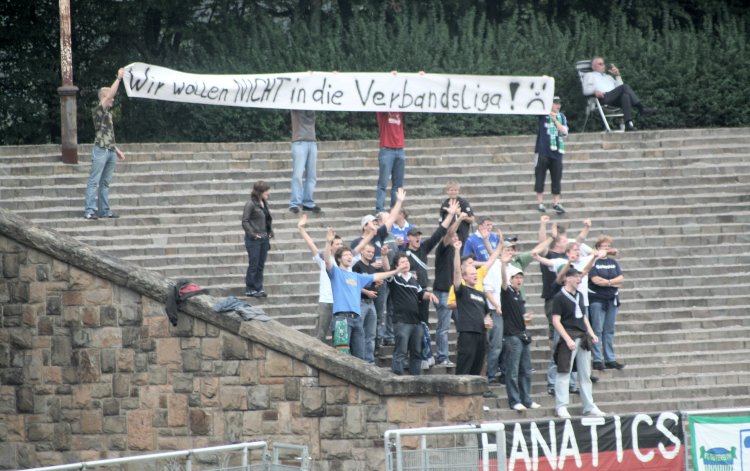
408 339
471 349
624 97
257 251
555 167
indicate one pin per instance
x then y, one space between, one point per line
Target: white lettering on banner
667 433
529 447
618 438
645 458
593 422
537 440
569 445
356 91
519 439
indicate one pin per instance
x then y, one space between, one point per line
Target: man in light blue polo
346 286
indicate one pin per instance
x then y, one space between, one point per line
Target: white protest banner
331 91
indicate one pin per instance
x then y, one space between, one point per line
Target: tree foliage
689 58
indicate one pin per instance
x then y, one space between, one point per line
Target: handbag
524 337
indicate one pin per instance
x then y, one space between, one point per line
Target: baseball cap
572 272
366 220
413 231
556 99
513 271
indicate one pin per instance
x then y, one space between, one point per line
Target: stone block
91 422
107 316
52 375
461 408
43 272
120 385
312 401
234 398
110 407
178 410
234 348
25 400
60 271
211 348
90 316
71 316
140 430
15 430
337 395
21 339
376 413
9 456
81 280
131 337
107 337
125 360
157 326
11 265
292 389
182 383
19 292
39 432
335 449
117 442
131 314
37 292
45 326
97 297
249 372
80 338
331 427
115 424
326 380
12 376
355 421
72 298
168 352
107 360
278 364
258 397
184 327
210 390
200 422
232 427
89 370
252 423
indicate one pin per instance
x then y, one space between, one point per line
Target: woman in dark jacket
256 221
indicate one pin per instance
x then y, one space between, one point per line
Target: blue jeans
102 168
385 314
408 339
517 371
391 164
370 326
443 323
583 364
496 346
356 334
552 367
257 251
304 161
603 316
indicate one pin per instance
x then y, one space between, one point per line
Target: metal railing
471 448
267 463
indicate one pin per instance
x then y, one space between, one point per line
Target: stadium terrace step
677 203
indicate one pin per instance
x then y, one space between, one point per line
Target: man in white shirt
611 90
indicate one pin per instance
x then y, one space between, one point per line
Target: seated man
610 89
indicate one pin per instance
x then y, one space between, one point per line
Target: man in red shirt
391 158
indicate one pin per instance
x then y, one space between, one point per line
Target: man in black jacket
406 295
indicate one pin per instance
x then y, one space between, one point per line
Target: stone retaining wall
90 368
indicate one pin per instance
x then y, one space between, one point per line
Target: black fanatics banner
612 443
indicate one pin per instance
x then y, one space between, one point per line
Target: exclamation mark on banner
513 88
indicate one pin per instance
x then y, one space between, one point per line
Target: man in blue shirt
346 286
476 244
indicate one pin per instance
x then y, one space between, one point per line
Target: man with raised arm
473 317
104 155
346 287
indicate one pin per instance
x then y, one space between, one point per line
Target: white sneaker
519 407
563 413
447 364
535 405
595 412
